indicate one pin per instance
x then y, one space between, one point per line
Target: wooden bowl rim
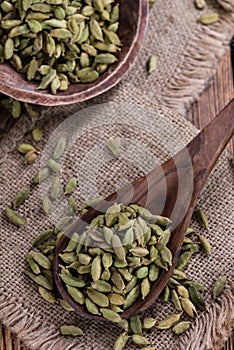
37 97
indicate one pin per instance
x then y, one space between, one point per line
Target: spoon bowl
133 21
197 159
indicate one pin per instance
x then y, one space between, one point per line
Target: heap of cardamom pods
58 42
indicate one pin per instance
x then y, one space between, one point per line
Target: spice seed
209 18
71 330
169 321
121 341
70 185
140 340
21 196
14 217
181 327
37 134
113 147
218 286
152 63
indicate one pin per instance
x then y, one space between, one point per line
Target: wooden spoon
197 159
132 28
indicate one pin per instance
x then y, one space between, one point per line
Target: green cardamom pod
218 286
14 217
20 198
59 149
70 185
37 134
169 321
71 330
25 148
110 315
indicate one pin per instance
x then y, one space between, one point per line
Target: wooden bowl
133 20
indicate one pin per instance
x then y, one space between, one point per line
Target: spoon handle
207 146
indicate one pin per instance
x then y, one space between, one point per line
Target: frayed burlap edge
199 61
209 331
213 327
226 4
35 332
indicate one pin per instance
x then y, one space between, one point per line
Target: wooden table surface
212 100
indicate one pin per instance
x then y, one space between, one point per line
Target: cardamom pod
14 217
41 175
140 340
37 134
209 18
181 327
152 63
188 307
135 324
47 295
205 244
110 315
121 341
70 185
169 321
25 148
113 145
71 331
97 297
76 294
19 199
218 286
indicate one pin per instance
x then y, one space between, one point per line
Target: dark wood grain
201 115
215 96
133 20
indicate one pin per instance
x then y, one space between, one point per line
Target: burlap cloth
188 55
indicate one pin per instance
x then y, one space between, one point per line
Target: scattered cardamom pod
47 295
41 175
140 340
59 149
200 4
46 204
14 217
113 147
71 330
205 244
152 63
70 185
54 166
218 286
188 307
181 327
37 134
16 109
30 157
121 341
32 264
135 324
110 315
25 148
209 18
201 217
40 280
19 199
169 321
196 298
55 188
42 237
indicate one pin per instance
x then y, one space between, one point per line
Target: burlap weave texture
173 35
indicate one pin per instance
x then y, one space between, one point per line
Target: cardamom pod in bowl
62 51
